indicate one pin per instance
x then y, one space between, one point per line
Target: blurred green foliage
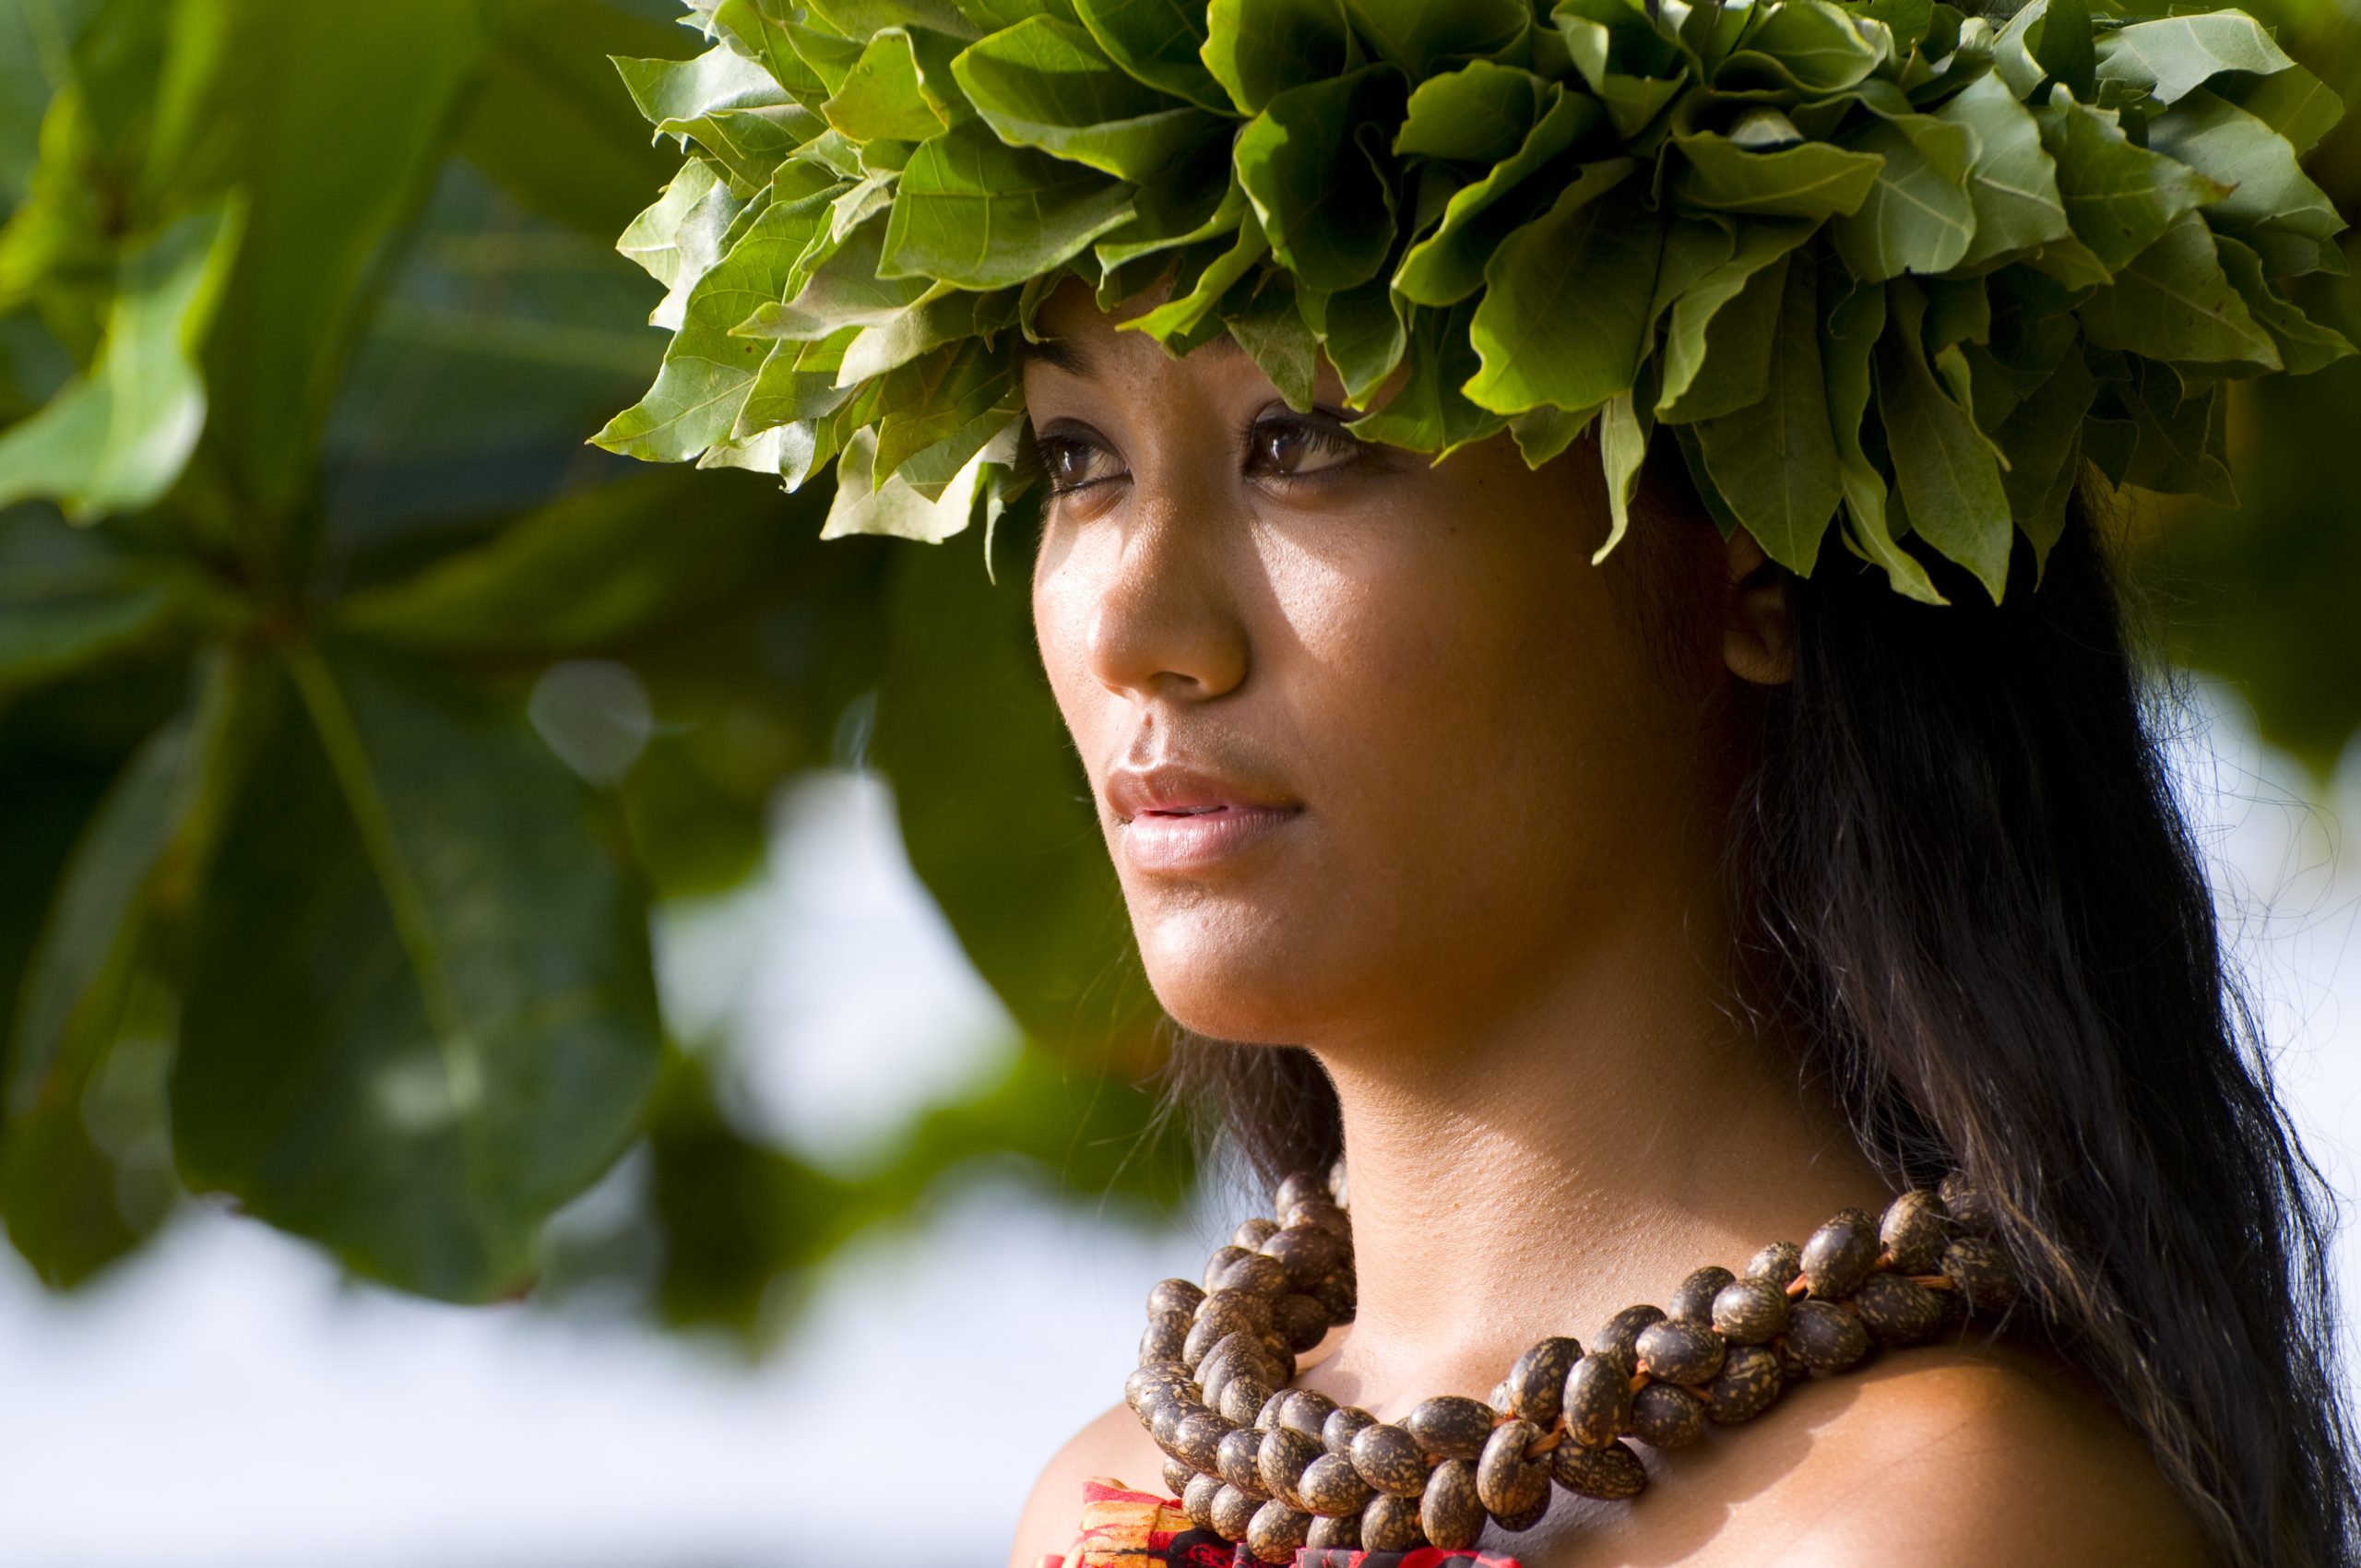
354 713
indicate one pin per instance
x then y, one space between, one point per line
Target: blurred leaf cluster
354 713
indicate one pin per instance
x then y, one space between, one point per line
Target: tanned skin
1485 781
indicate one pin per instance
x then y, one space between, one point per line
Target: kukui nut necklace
1277 1467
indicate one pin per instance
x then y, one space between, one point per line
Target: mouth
1174 819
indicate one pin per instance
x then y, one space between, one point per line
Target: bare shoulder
1956 1456
1112 1446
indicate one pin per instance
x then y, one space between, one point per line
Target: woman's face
1371 741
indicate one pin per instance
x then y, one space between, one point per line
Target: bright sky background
226 1402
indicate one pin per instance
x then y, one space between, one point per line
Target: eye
1293 445
1071 461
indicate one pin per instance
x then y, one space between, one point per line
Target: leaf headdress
1879 264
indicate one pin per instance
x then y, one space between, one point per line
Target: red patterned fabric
1123 1528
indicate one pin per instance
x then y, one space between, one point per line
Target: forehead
1078 339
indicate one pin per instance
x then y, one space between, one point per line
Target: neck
1573 1151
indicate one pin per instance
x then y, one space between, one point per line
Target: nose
1165 623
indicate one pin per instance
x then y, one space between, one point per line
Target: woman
1613 893
1619 919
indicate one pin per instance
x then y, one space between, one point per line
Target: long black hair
1961 884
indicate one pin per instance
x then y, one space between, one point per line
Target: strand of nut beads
1279 1469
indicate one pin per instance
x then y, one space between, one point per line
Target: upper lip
1176 787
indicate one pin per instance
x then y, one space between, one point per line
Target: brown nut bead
1163 1338
1693 1302
1750 1312
1514 1489
1300 1187
1275 1532
1308 1254
1285 1457
1452 1426
1826 1337
1898 1311
1913 1231
1335 1535
1536 1386
1450 1512
1390 1460
1173 1296
1331 1486
1337 1433
1749 1384
1241 1399
1839 1255
1320 1211
1218 1265
1196 1441
1391 1524
1677 1352
1165 1416
1251 1234
1619 1340
1268 1415
1339 1295
1982 1269
1300 1320
1238 1460
1597 1400
1177 1477
1256 1274
1666 1417
1234 1309
1306 1412
1969 1206
1153 1382
1197 1501
1233 1511
1608 1473
1779 1263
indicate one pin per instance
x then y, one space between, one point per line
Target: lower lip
1153 843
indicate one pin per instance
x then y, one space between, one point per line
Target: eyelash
1322 435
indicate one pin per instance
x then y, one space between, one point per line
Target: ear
1758 633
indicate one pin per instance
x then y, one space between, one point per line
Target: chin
1251 980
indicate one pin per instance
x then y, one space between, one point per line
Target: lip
1175 818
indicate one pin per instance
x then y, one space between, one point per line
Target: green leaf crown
1879 264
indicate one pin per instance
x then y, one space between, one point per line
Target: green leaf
2065 50
1045 83
2171 56
2118 196
848 287
1624 427
974 211
1814 180
115 439
1273 332
69 596
1945 468
2176 434
941 316
2255 162
1564 315
2173 303
1428 412
886 95
1258 49
894 508
1725 323
1447 265
1806 46
1158 42
1775 461
1918 216
1480 113
1169 214
2044 440
2305 345
1849 335
420 1015
1191 306
2012 184
587 571
1417 35
37 38
1360 330
1312 164
2294 103
706 371
1627 64
961 386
